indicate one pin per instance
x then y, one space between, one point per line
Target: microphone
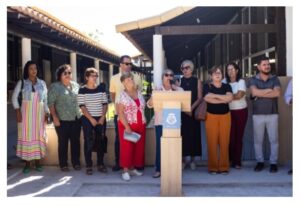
172 82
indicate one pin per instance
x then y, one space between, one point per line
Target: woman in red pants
131 106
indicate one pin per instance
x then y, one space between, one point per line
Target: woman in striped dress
32 113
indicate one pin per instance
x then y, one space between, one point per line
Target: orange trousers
218 137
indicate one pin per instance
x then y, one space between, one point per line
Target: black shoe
290 172
259 166
116 168
273 168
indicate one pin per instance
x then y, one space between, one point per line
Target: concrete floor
197 183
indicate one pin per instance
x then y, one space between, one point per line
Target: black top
190 84
221 108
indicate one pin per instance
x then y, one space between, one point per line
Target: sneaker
135 172
39 168
212 172
273 168
156 175
193 165
259 166
101 168
125 176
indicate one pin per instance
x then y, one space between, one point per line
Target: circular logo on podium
171 119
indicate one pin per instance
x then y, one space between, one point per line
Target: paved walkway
53 182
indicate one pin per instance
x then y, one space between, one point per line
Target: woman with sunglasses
190 128
32 111
62 102
92 100
168 84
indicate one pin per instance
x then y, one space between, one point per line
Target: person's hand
93 122
188 113
19 116
101 121
56 122
128 130
174 87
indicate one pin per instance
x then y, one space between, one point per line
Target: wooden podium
171 104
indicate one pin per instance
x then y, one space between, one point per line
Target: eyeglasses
169 75
185 68
67 73
94 76
217 73
127 64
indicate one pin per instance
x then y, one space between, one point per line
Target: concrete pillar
289 40
110 72
26 50
73 60
97 67
158 60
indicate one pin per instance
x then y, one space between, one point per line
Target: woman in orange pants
218 122
131 106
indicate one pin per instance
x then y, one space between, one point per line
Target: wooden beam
280 42
216 29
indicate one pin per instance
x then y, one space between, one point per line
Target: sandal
102 168
26 170
64 169
89 171
77 167
39 168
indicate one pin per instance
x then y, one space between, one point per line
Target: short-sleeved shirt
221 108
64 101
236 87
92 99
115 85
261 105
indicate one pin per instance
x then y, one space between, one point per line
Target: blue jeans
158 134
117 141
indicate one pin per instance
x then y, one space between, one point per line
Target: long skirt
31 131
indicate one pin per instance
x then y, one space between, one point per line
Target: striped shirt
92 99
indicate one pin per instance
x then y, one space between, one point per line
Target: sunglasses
94 76
127 64
169 75
185 68
67 73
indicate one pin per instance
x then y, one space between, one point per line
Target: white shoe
135 172
125 176
193 165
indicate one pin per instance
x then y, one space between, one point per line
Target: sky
104 19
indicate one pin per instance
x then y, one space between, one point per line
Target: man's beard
266 73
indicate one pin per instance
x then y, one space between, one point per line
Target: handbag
200 111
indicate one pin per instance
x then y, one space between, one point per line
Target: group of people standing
73 107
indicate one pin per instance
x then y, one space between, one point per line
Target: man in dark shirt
265 89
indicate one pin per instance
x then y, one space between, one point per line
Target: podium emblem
171 118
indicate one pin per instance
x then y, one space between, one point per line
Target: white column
158 60
110 72
26 50
97 67
73 63
289 40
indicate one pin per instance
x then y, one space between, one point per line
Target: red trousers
238 124
132 154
